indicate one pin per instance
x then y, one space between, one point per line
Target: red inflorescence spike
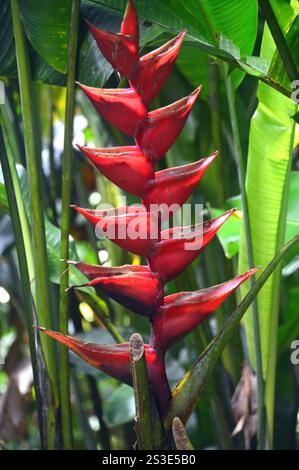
154 68
122 107
184 311
120 284
115 361
157 133
179 246
121 50
132 228
171 187
127 167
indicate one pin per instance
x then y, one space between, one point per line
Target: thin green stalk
65 225
31 136
188 390
98 409
261 415
11 185
279 39
146 425
4 118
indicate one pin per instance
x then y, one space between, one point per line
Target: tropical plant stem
11 138
65 224
147 435
31 137
279 39
261 418
188 390
11 185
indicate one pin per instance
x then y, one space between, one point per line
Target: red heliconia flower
179 246
153 69
127 167
122 107
114 360
134 229
173 186
121 50
120 284
184 311
157 133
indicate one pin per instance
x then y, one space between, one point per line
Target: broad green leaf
47 27
269 158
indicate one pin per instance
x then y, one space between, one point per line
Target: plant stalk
279 40
146 429
65 225
31 137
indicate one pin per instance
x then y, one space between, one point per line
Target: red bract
127 167
134 230
121 50
122 107
138 229
184 311
173 186
149 75
158 132
120 284
114 360
179 246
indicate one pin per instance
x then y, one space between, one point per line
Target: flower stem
32 139
65 225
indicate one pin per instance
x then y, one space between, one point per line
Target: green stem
279 39
4 118
31 137
65 224
147 436
261 418
188 390
11 185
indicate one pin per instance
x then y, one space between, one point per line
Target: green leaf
270 146
120 407
47 28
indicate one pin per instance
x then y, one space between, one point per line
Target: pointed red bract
121 50
120 284
179 246
184 311
154 68
127 167
115 361
171 187
160 129
122 107
134 229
